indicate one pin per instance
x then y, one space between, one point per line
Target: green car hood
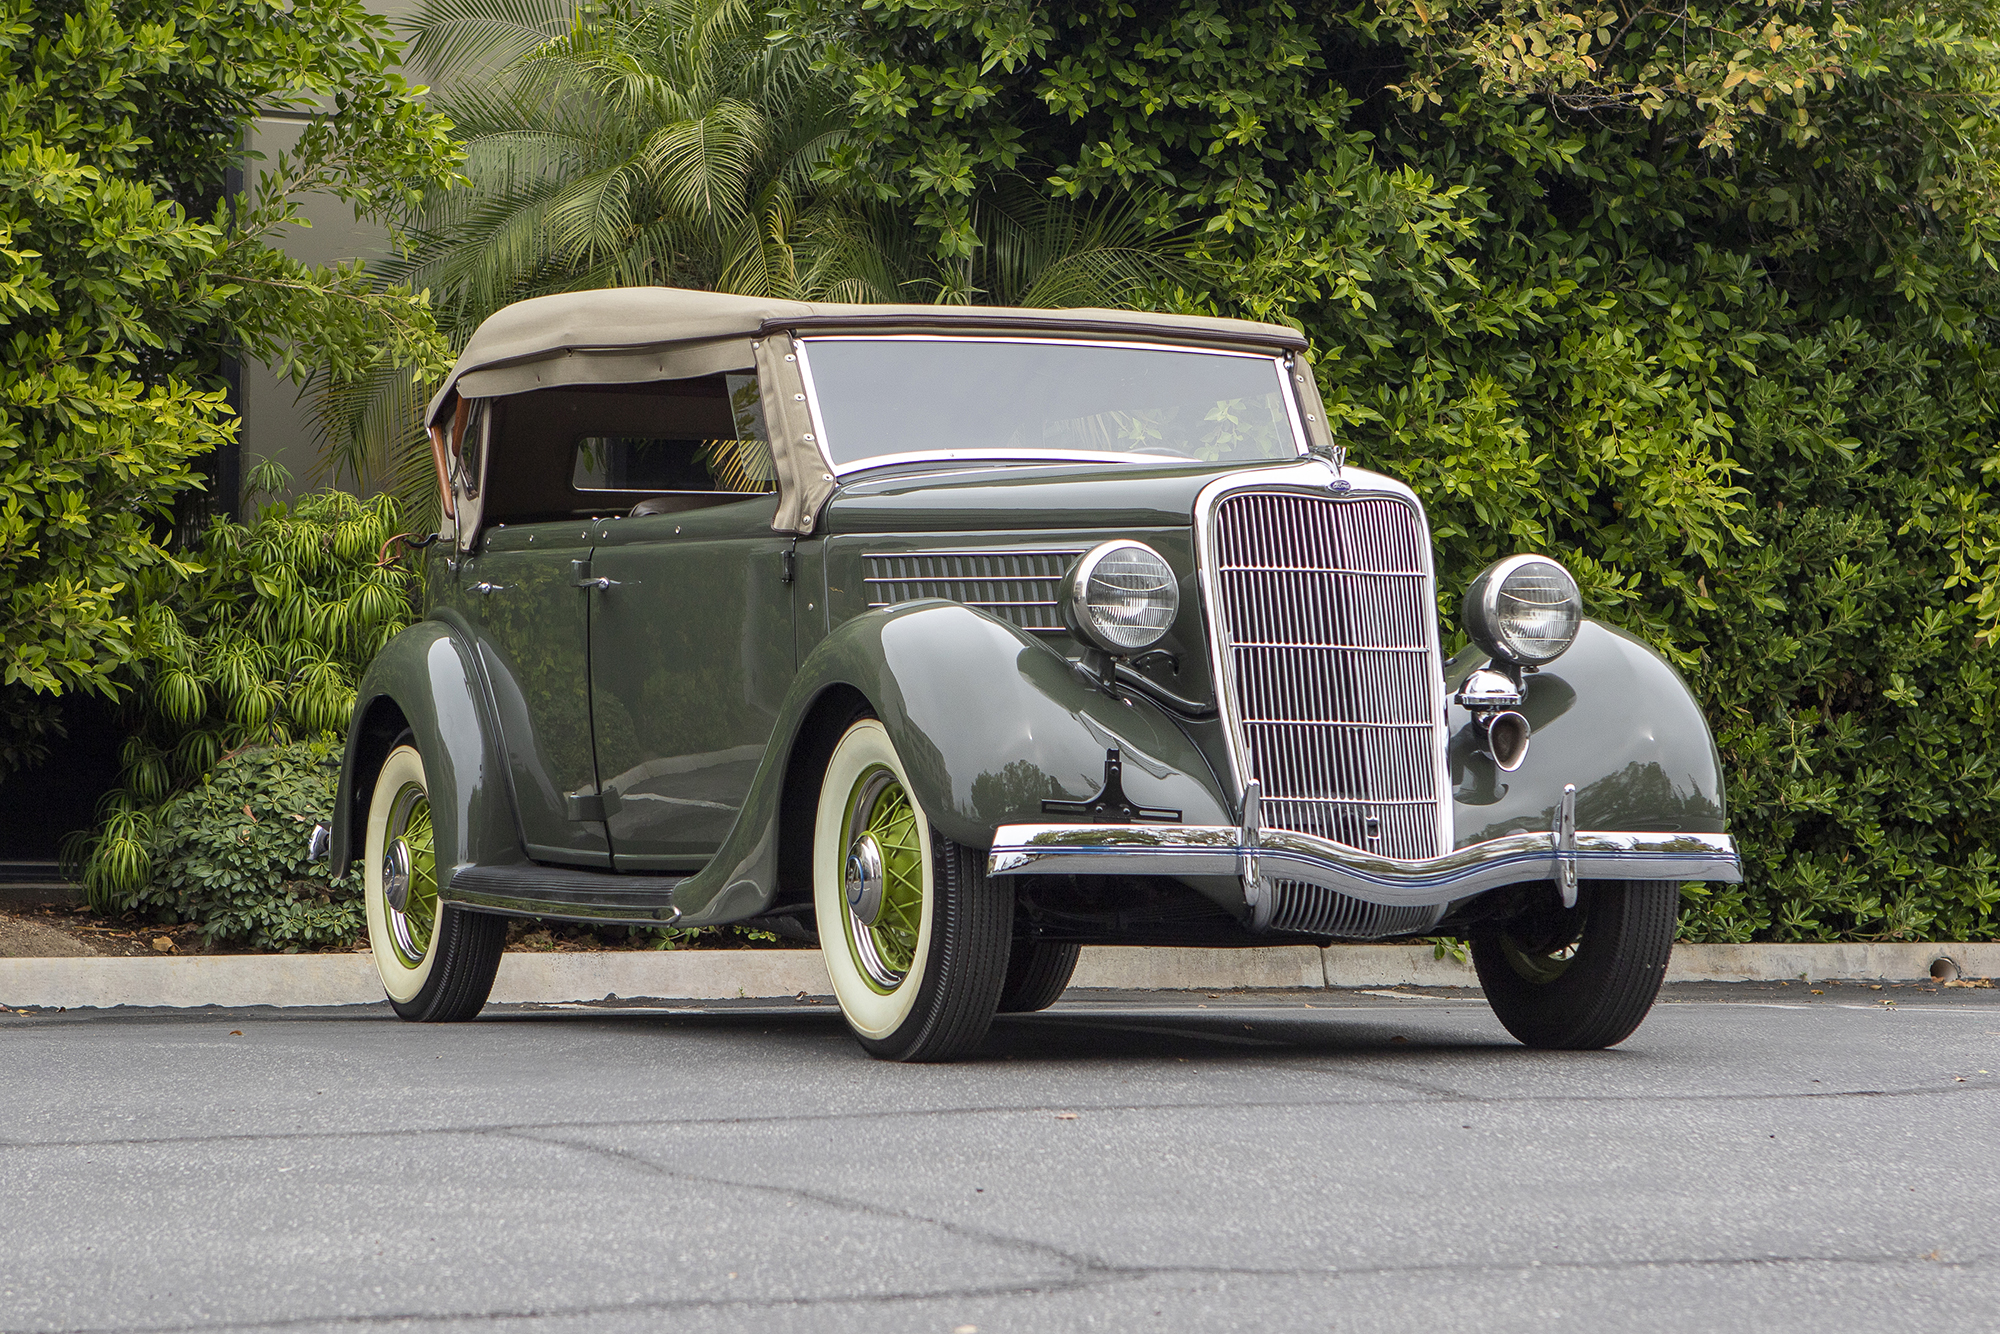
1035 496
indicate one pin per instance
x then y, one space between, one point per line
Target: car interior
587 451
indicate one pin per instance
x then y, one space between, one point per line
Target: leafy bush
260 640
232 853
1699 299
128 273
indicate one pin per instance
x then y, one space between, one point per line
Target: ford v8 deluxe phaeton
965 637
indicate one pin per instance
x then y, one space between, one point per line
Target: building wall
276 424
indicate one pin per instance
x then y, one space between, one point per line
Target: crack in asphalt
1098 1276
867 1208
1430 1094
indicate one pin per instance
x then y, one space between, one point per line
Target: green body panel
1610 716
690 658
428 674
532 635
988 723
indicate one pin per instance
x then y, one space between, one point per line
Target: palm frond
458 40
668 142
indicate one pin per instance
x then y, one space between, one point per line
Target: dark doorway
39 806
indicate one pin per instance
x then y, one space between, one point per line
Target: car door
690 656
520 570
534 645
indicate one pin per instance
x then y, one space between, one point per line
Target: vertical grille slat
1325 615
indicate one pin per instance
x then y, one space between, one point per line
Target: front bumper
1275 854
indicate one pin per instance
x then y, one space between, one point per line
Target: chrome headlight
1524 609
1121 597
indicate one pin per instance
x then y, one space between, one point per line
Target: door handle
482 588
600 583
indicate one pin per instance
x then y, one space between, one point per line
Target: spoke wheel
1583 978
883 874
409 875
436 961
920 952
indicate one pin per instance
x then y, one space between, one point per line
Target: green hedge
1698 301
231 853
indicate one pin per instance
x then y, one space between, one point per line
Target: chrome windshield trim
1281 364
1314 477
1218 850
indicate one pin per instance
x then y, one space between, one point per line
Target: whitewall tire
914 936
436 961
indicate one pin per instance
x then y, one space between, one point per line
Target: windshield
954 398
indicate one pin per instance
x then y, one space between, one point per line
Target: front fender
425 680
1610 716
989 722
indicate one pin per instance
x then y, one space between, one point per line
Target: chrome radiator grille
1017 586
1327 625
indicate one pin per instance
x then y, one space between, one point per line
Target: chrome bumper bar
1276 854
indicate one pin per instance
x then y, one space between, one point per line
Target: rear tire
914 935
1038 973
1585 978
436 960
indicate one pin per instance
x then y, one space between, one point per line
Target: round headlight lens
1122 597
1524 609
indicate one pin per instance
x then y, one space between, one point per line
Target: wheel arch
829 715
426 681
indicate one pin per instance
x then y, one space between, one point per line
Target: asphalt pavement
1756 1157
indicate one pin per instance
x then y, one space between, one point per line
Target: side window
579 451
706 435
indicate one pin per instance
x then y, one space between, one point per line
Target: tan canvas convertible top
631 335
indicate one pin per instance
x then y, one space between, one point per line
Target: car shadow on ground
1225 1034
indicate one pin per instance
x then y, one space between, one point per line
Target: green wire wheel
914 935
883 880
436 962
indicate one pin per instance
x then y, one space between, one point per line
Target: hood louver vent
1016 586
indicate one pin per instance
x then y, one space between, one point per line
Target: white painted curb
349 979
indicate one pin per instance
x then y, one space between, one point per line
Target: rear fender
425 681
989 723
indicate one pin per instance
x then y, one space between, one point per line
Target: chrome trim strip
1277 854
1314 477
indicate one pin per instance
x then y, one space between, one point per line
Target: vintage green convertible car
964 637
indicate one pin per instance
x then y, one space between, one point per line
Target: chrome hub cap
396 876
863 880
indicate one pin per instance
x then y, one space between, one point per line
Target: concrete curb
349 979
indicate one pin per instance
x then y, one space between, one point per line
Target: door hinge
589 805
790 567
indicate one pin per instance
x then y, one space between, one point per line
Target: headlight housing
1524 609
1121 597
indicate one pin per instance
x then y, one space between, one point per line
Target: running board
568 892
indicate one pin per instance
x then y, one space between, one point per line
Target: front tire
436 961
915 937
1585 978
1038 973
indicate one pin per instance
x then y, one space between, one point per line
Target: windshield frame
1281 364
